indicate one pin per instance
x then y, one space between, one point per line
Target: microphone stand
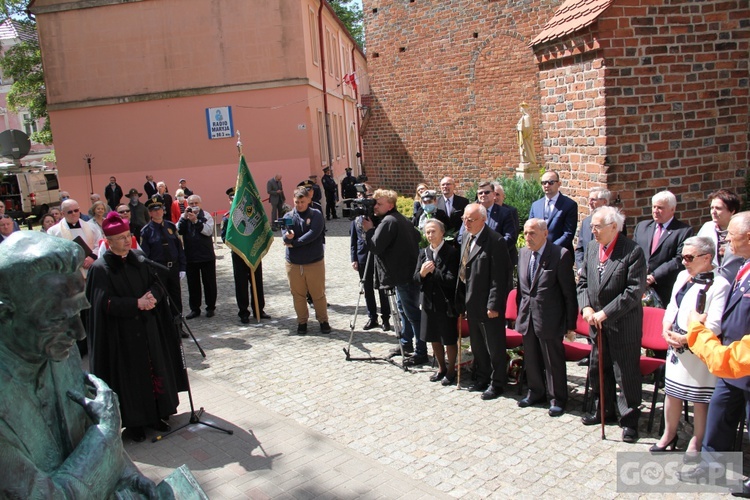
195 417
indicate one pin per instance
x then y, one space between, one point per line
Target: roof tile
572 16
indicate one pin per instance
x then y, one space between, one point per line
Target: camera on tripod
360 206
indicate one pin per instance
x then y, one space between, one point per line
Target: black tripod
195 417
391 294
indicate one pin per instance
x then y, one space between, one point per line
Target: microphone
145 260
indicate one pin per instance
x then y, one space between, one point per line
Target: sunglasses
74 211
484 192
691 258
548 183
123 211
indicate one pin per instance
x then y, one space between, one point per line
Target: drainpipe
325 91
357 104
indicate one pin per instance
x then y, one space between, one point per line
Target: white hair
665 196
611 215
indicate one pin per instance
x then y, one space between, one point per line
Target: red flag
351 79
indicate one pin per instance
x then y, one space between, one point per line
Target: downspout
325 90
357 104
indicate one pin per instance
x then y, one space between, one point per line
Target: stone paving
310 424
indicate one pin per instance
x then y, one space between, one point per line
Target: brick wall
446 79
673 78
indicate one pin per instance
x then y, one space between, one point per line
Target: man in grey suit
661 240
276 197
547 308
609 295
481 292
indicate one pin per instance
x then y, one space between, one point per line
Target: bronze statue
59 428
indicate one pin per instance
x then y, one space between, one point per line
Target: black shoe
584 362
448 380
325 327
193 314
210 313
661 449
691 457
595 419
264 315
478 387
301 328
437 376
386 325
335 216
397 351
629 435
137 434
698 475
556 410
492 392
184 334
245 320
416 360
371 323
744 492
529 401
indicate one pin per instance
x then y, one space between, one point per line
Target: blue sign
219 122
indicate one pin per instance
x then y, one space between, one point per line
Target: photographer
395 244
359 257
197 229
305 265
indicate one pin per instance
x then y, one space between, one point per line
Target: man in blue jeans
395 245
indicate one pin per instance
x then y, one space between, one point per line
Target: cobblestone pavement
311 424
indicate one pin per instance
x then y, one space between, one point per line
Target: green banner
249 234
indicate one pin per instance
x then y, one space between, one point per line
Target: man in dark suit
547 308
149 187
500 200
481 293
661 240
598 197
113 192
609 295
729 401
557 210
452 204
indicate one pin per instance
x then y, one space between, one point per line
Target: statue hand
138 483
104 408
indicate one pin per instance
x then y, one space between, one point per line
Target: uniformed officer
332 194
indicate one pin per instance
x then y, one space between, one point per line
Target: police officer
332 194
160 243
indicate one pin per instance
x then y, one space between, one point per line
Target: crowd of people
454 258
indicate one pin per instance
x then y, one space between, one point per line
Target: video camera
360 206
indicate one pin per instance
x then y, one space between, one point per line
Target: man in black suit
500 200
661 240
598 197
452 204
557 210
547 308
609 295
481 293
113 192
149 187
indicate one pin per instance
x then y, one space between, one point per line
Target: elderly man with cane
609 295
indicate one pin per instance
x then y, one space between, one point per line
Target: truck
27 191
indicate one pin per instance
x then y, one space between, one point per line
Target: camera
360 206
284 222
193 210
707 279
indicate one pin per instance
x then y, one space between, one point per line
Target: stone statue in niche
59 427
525 132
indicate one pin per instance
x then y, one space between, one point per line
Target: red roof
571 16
11 29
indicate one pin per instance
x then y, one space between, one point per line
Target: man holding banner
247 232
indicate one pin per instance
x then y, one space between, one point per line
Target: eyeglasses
469 220
74 211
599 227
548 183
123 211
691 258
484 192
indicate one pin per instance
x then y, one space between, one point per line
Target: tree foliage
351 15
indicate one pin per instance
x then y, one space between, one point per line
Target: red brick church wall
446 80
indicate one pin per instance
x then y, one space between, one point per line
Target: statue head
42 296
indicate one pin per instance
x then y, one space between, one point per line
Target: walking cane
458 368
599 344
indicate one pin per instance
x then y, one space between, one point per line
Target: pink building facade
163 87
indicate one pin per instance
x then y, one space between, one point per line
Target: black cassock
136 352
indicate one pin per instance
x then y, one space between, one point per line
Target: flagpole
239 144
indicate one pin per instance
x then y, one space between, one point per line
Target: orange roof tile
571 16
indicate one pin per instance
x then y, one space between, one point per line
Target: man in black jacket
113 192
395 244
197 230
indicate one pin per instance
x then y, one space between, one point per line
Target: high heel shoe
670 446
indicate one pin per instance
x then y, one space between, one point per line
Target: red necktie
657 237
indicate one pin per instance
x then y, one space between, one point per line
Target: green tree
351 15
